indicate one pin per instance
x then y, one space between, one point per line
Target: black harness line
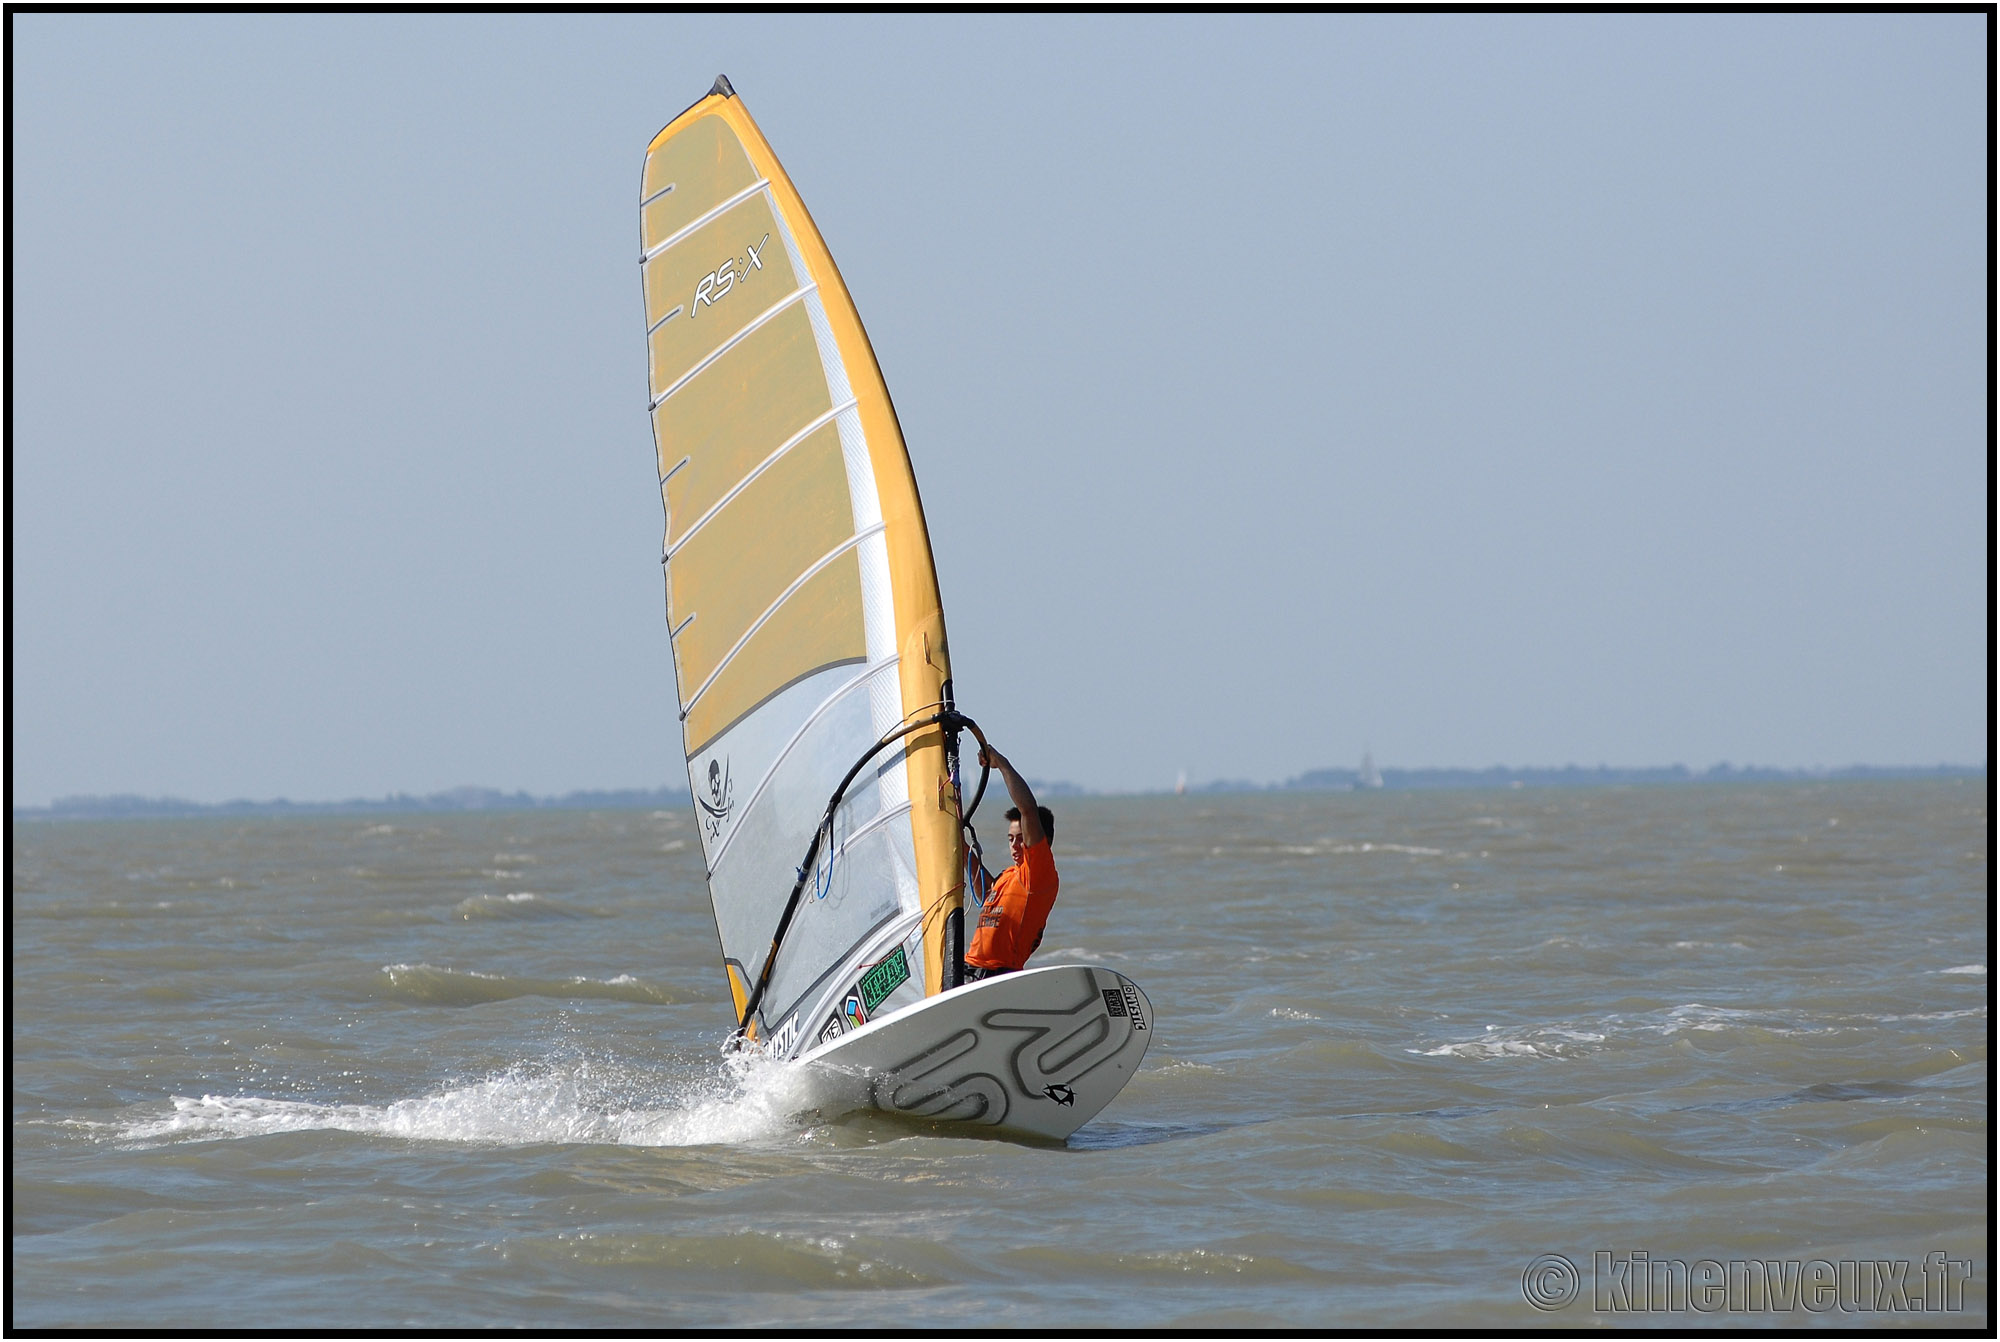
952 722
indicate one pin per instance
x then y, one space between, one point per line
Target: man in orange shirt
1018 900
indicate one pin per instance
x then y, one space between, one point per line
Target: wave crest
432 985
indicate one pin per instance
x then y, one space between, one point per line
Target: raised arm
1023 797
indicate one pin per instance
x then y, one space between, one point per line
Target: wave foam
1326 849
518 904
750 1098
1569 1039
1546 1041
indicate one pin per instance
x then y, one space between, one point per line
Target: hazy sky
1476 389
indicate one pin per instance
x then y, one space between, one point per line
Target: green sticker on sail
883 979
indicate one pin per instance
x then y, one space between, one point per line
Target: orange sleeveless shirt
1016 910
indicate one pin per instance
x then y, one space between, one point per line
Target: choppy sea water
462 1070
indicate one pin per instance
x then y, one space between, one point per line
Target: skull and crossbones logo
716 806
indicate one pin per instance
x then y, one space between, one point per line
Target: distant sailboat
1180 784
1369 777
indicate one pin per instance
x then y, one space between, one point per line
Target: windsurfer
1018 900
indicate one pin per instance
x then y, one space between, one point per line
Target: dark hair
1048 819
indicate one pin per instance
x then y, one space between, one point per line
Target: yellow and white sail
801 596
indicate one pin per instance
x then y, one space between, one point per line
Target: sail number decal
718 282
884 978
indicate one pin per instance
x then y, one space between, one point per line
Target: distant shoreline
130 807
1572 775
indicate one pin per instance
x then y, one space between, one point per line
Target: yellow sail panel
724 273
688 176
748 402
817 628
757 547
801 592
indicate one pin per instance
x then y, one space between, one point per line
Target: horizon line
475 797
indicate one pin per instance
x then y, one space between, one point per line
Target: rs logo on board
727 275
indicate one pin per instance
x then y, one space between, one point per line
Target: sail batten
802 601
724 208
755 471
774 310
811 572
